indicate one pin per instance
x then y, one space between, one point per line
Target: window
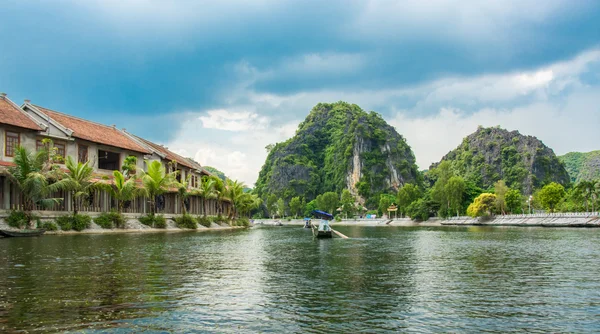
82 154
108 160
39 145
12 141
60 150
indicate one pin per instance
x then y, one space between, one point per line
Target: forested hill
339 146
216 172
492 154
582 166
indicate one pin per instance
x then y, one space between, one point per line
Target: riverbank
132 225
543 220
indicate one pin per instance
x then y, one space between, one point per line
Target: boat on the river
323 230
307 223
22 233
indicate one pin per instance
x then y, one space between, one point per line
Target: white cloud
222 119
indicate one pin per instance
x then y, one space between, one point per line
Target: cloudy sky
220 80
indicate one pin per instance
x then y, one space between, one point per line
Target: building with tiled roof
11 114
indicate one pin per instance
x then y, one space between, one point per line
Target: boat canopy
322 214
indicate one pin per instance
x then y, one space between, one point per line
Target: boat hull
24 233
323 234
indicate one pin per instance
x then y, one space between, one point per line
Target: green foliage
514 200
78 181
338 218
385 200
206 221
129 166
242 221
76 222
407 195
155 181
110 220
550 195
272 204
582 166
500 189
156 221
281 207
296 206
48 226
216 172
328 202
18 219
418 210
310 207
347 201
483 205
186 221
121 189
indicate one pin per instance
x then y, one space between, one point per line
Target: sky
220 80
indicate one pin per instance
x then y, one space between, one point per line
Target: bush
338 218
205 221
156 221
81 222
110 220
17 219
241 221
186 221
48 226
76 222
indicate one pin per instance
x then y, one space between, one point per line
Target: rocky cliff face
492 154
338 146
582 166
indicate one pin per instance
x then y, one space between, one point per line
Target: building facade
103 147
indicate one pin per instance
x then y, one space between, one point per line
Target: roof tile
10 114
170 155
94 132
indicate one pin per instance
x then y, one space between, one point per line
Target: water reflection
281 279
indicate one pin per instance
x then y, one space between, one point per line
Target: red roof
11 114
94 132
171 156
7 163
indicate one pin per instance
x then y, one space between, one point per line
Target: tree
439 192
207 191
32 175
550 195
328 202
455 190
513 199
418 210
408 194
295 206
129 167
121 189
483 205
155 181
220 192
310 207
589 191
347 201
78 181
281 207
500 189
240 200
272 204
385 200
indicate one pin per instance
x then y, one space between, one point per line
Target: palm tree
206 191
122 190
78 181
185 191
220 193
32 175
235 193
588 189
155 182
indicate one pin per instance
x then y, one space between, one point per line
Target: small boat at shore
22 233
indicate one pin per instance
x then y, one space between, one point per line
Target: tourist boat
323 230
22 233
307 223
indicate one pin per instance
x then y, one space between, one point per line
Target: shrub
110 220
186 221
49 226
17 219
76 222
156 221
81 222
205 221
338 218
241 221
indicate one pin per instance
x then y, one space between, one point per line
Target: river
278 279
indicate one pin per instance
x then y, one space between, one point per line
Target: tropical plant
513 200
347 201
122 189
455 190
207 191
281 207
78 181
295 206
186 221
129 167
156 181
589 191
500 189
33 174
408 194
220 192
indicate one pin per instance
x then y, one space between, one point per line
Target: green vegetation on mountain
582 166
338 146
216 172
492 154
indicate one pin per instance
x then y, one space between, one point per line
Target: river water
278 279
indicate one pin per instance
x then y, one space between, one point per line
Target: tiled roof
11 114
171 156
7 164
94 132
